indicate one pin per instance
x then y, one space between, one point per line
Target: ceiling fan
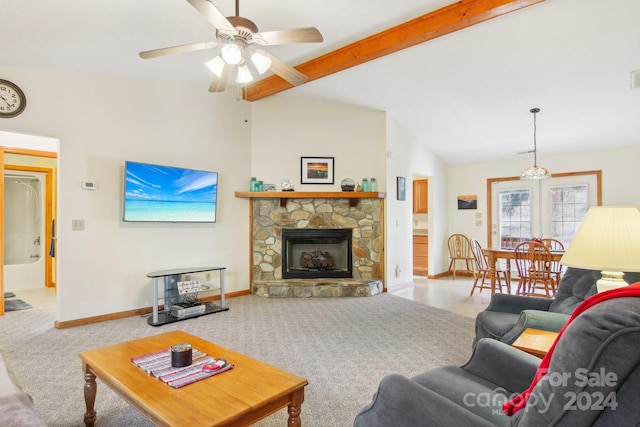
240 43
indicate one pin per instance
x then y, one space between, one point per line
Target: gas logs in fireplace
316 260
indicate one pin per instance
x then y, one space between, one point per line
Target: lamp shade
608 239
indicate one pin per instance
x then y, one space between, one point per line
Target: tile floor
445 293
37 298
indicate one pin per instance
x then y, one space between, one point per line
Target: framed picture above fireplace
316 170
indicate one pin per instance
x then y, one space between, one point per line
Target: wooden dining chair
460 251
533 261
555 245
483 271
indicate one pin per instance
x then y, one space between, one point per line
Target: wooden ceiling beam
454 17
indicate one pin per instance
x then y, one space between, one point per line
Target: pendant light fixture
535 171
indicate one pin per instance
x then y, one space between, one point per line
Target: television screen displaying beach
155 193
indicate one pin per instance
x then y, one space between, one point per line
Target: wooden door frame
50 207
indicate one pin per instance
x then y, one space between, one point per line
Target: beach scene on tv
155 193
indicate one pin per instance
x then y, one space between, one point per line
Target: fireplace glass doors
309 253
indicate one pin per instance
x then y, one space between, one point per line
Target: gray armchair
440 397
602 344
507 316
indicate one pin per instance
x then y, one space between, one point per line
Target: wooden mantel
310 194
285 195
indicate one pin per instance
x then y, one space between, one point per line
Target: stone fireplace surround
273 211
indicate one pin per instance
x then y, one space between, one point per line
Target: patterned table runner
158 364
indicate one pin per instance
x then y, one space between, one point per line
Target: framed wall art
316 170
468 202
401 188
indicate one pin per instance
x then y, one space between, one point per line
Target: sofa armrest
545 320
18 410
508 303
400 401
502 364
7 383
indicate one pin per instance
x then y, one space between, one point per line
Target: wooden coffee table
535 341
243 395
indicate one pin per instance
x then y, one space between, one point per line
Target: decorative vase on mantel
348 184
286 185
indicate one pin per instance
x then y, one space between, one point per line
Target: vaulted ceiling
465 94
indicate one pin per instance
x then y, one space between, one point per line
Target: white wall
408 156
286 127
101 122
620 175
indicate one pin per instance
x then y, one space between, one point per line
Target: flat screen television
155 193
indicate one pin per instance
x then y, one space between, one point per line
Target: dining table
493 254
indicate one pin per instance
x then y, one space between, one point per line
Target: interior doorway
23 165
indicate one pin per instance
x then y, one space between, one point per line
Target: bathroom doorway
28 224
28 247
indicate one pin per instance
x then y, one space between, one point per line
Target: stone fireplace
276 214
309 253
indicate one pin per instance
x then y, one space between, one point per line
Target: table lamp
609 240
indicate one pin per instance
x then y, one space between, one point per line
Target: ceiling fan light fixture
216 65
244 75
235 37
535 172
261 61
231 54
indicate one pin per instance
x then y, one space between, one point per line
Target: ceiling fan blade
293 36
214 16
178 49
285 71
219 84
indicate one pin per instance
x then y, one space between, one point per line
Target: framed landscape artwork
316 170
468 202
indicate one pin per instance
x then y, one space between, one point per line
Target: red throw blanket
520 401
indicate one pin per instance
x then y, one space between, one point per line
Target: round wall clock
12 99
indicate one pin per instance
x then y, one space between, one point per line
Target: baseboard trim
136 312
441 275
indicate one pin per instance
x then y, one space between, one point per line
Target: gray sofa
507 316
602 344
16 407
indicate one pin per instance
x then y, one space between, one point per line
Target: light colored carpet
342 346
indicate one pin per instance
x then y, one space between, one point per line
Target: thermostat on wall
89 185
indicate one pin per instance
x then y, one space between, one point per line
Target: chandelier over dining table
535 172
